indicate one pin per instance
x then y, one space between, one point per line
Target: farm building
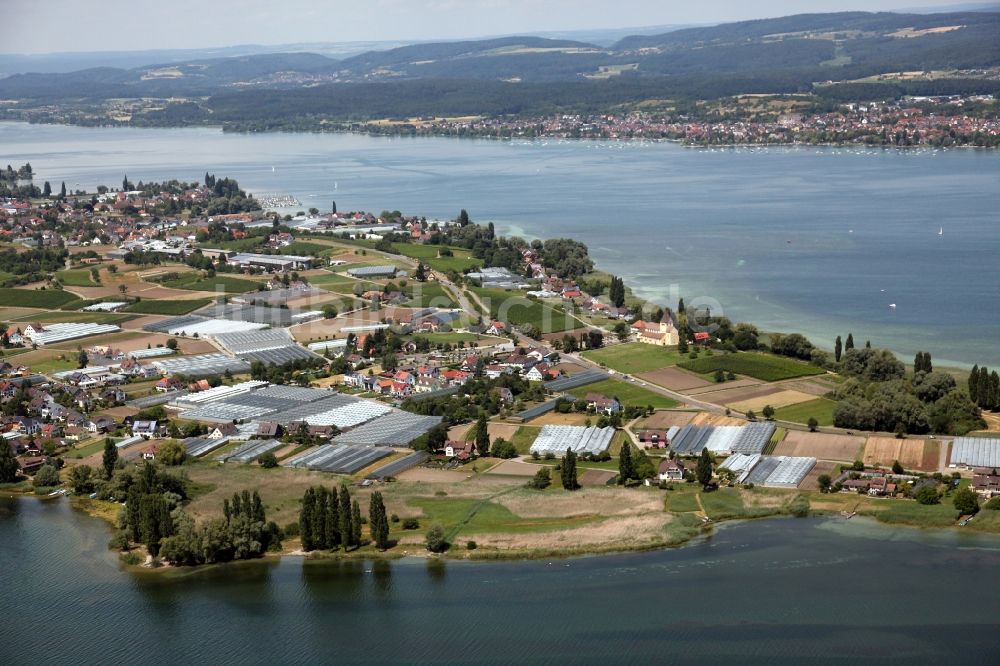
52 333
975 452
372 272
557 440
768 471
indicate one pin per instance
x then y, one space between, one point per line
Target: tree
268 460
896 467
703 471
346 528
110 458
825 482
541 480
626 468
966 501
928 495
47 189
9 467
173 453
436 542
62 190
849 344
463 218
420 275
482 436
47 475
378 522
355 524
838 349
503 449
172 344
82 480
82 359
568 470
813 424
768 412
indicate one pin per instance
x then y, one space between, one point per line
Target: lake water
815 240
794 590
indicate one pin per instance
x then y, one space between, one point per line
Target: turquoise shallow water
785 591
816 240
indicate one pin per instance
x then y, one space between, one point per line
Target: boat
892 306
941 231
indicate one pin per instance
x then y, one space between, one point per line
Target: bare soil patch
674 379
811 480
820 445
427 475
706 419
665 419
815 386
595 477
734 384
911 453
514 468
554 418
776 400
733 394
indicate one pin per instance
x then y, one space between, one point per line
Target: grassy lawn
78 277
765 367
634 357
523 310
905 512
683 499
429 294
627 393
305 248
195 282
454 338
55 364
524 438
86 449
820 409
35 298
727 503
460 261
168 307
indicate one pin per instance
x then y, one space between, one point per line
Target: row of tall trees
329 519
616 292
984 388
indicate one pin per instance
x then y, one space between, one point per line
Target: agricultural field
461 260
78 317
844 448
305 248
524 438
195 282
775 398
77 277
675 379
911 453
168 307
35 298
634 357
429 294
628 393
820 409
765 367
516 309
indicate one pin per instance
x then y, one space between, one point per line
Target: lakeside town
166 345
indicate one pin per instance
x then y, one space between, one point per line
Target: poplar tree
703 471
482 436
626 468
974 384
110 457
344 517
377 521
849 344
568 470
331 519
838 349
355 524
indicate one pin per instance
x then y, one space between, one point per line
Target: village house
986 486
145 429
223 430
460 450
653 439
602 404
541 372
671 470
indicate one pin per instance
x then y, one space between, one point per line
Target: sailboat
941 231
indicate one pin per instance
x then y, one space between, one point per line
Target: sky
50 26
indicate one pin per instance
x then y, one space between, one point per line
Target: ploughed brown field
674 379
911 453
665 419
821 445
811 480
